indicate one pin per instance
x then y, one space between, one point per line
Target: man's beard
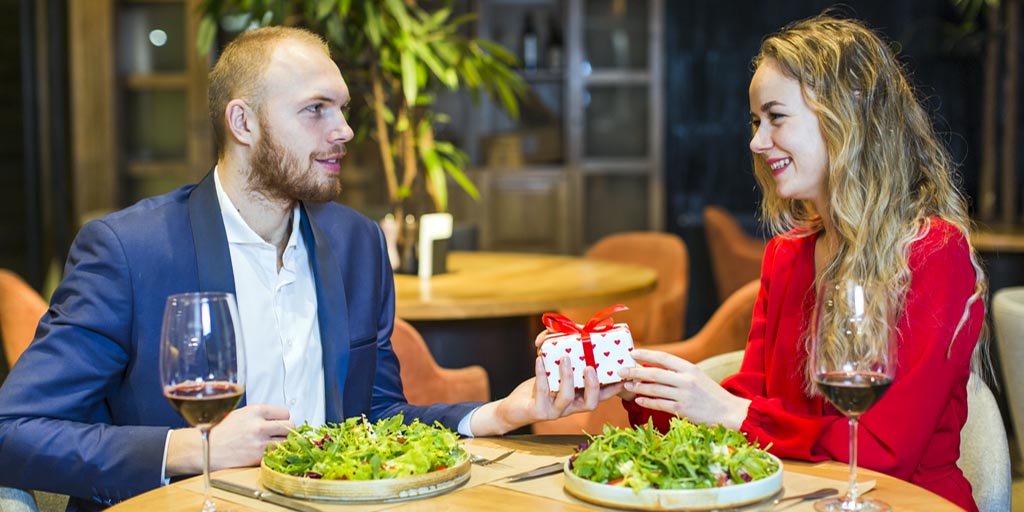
276 173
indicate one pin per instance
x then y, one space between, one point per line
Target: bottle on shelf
530 44
554 52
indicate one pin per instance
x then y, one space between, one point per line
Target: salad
688 456
361 450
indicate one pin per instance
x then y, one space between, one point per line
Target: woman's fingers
652 374
661 359
658 404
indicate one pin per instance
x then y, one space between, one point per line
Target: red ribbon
600 322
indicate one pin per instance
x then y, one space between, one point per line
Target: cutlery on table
813 495
258 494
550 469
483 461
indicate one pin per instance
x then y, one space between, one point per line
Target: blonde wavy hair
888 172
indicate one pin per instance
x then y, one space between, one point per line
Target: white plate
673 499
364 491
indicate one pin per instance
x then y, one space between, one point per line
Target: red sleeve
931 366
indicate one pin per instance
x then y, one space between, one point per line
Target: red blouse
913 432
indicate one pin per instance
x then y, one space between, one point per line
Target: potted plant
400 53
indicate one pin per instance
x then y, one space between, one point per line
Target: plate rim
391 489
576 486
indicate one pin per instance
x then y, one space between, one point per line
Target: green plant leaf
324 8
508 99
335 31
373 24
205 34
498 51
439 182
442 72
409 80
460 177
438 18
400 12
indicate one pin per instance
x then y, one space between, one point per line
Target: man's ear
242 123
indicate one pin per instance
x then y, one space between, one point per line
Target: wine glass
853 357
201 363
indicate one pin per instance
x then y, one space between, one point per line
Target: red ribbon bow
600 322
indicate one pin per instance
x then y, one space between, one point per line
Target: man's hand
238 441
532 401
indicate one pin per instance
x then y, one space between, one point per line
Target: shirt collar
235 227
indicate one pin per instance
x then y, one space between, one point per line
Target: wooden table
898 493
485 310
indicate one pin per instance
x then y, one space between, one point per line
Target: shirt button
292 401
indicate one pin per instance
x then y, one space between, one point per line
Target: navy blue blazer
82 412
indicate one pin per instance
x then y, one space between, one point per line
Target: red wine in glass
853 359
201 364
853 393
205 404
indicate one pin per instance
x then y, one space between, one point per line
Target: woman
858 186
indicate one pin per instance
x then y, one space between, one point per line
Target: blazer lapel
213 259
332 312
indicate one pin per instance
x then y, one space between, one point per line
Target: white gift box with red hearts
610 350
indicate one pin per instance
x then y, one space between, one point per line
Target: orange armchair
21 307
726 331
658 316
425 382
735 255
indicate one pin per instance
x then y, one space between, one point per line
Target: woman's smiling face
787 135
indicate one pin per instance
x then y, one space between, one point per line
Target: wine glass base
844 504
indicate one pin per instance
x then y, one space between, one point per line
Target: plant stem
383 139
407 138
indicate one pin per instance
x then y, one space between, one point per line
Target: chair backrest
658 316
725 332
727 329
722 365
1008 320
735 255
984 454
426 383
21 307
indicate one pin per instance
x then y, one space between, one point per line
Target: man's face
302 126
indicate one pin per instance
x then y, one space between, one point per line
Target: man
82 412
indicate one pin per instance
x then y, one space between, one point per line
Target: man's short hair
239 71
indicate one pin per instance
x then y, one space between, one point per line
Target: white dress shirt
278 310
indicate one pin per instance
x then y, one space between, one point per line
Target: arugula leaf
688 456
360 450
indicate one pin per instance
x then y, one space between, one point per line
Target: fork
483 461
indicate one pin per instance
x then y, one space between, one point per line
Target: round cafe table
494 497
485 310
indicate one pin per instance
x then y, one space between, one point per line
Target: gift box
600 343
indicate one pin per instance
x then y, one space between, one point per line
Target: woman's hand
668 383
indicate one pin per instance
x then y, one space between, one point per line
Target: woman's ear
242 122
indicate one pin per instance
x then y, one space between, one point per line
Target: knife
268 497
550 469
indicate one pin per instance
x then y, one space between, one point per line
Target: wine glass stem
852 492
208 505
